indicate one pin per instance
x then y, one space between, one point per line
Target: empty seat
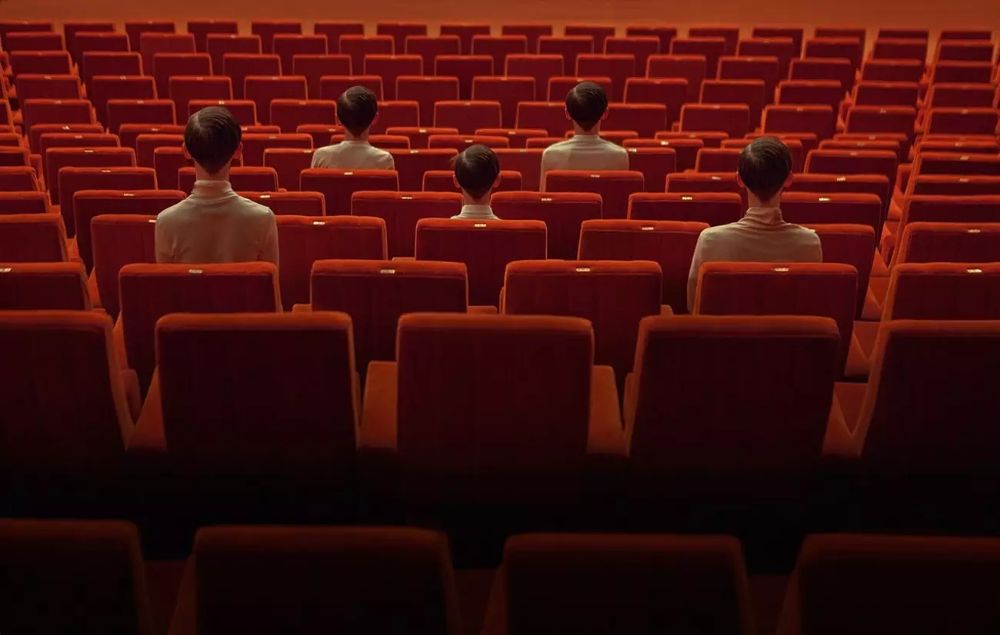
562 212
151 44
961 96
835 47
893 70
239 66
949 242
463 33
461 142
411 165
711 208
74 179
89 203
732 119
104 88
968 72
399 31
135 30
499 47
876 184
263 90
639 47
58 158
333 30
664 33
220 45
900 48
391 67
943 291
645 119
358 46
315 67
184 89
736 91
266 30
19 202
288 163
548 116
850 244
882 119
526 161
691 68
922 584
819 92
818 68
428 48
302 240
817 119
569 47
484 246
118 240
201 29
711 48
541 68
396 113
806 208
337 186
962 121
410 569
784 48
49 285
618 67
703 182
150 112
507 91
332 86
22 179
854 162
467 116
402 210
148 292
77 574
63 111
872 93
505 452
255 145
426 91
288 45
614 186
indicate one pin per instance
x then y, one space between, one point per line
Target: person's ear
566 112
607 111
788 181
739 181
187 155
238 155
496 181
374 121
454 179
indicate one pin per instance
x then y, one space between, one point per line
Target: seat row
91 575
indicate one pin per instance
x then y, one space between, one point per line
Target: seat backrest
943 291
19 202
54 421
32 238
74 179
292 419
482 396
74 575
402 210
58 158
43 285
118 240
375 293
148 292
949 242
805 208
89 203
930 406
302 240
578 582
365 569
713 208
953 209
614 186
411 165
850 244
922 585
681 417
613 295
562 212
759 288
527 161
484 246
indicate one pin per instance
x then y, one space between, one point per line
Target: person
357 110
764 169
586 107
477 173
215 224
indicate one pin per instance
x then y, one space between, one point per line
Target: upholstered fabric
148 292
62 394
944 291
853 245
703 395
669 243
58 158
118 240
713 208
338 185
310 579
484 246
562 212
13 202
89 203
868 584
402 210
827 289
290 203
73 577
613 295
411 165
74 179
614 186
957 184
950 242
50 285
302 240
32 238
815 209
527 161
617 583
375 293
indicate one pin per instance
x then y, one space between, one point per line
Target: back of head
586 104
476 170
212 137
764 166
356 109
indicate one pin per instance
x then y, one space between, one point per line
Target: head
477 172
357 109
587 106
765 169
212 140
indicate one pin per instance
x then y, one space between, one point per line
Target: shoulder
172 214
806 234
383 155
611 146
326 151
559 146
255 210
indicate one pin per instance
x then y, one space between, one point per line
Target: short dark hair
212 136
356 109
764 166
476 170
586 103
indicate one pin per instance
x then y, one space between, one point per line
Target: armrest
132 393
301 308
629 405
838 442
483 309
378 418
93 291
149 437
605 434
184 617
118 333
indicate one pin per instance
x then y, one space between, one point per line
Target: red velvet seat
411 165
254 145
943 291
89 203
74 179
288 163
806 208
315 67
527 161
337 577
267 30
148 292
426 91
402 210
467 116
491 409
219 45
578 582
613 295
32 238
817 119
48 285
290 203
151 112
949 242
548 116
484 246
669 243
333 30
302 240
465 68
670 91
570 47
614 186
185 89
691 68
963 121
733 119
854 245
118 240
562 212
288 45
712 208
75 575
375 293
337 186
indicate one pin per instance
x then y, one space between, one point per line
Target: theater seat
613 295
43 285
868 584
402 210
484 246
32 238
949 242
118 240
562 212
74 576
712 208
375 293
148 292
308 579
489 410
337 186
614 583
292 421
302 240
614 186
669 243
943 291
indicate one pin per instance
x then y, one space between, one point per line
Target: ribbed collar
212 188
484 212
764 216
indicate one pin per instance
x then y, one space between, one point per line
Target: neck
468 200
200 174
753 201
349 136
593 131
